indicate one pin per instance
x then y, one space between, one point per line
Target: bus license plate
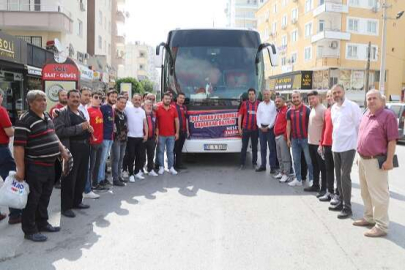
210 147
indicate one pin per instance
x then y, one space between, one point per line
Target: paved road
211 217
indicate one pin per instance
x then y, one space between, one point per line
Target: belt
370 157
79 141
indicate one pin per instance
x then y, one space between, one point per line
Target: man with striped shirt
36 148
248 127
297 136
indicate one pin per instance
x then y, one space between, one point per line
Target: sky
151 20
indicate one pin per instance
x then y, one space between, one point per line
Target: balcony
121 16
327 62
120 39
330 7
35 17
330 34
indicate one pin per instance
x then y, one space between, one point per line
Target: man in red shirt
167 132
248 127
62 95
96 140
280 132
183 134
7 163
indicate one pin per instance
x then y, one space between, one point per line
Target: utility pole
384 7
367 74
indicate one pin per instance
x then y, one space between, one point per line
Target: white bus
214 68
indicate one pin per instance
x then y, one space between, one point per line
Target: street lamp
384 7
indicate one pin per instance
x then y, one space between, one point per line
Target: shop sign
284 83
18 77
34 71
60 72
10 48
86 73
306 80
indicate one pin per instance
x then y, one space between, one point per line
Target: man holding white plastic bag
36 148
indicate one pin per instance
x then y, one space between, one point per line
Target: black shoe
81 206
346 213
321 193
338 207
273 171
99 187
241 167
261 169
68 213
105 183
325 198
58 185
312 189
118 183
122 180
49 228
14 220
36 237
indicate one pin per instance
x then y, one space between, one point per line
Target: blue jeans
106 145
299 145
267 139
168 143
7 164
117 156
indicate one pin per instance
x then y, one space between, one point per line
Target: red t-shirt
165 120
4 123
327 131
280 126
57 106
96 121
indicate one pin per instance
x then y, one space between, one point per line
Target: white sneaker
152 173
278 176
284 178
125 174
310 183
139 176
172 171
161 170
295 183
132 179
90 195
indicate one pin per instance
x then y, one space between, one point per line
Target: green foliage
147 86
137 87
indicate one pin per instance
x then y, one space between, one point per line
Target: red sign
60 72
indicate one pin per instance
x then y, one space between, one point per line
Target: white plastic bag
14 194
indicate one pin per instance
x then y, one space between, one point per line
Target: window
141 67
283 3
353 25
372 3
308 30
354 2
351 51
308 53
372 27
275 8
100 42
283 61
294 14
321 26
294 36
308 5
35 40
321 2
284 40
274 27
373 55
80 28
284 21
294 57
100 17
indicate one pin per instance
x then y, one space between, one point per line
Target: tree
136 86
147 86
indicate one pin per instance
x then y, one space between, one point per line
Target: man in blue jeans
108 131
167 132
297 136
7 163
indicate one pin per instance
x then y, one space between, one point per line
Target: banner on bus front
213 124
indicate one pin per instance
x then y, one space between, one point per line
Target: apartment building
119 16
324 42
41 21
241 13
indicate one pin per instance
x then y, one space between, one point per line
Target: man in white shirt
137 135
265 118
346 116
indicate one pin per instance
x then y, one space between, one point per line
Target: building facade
119 16
331 39
241 13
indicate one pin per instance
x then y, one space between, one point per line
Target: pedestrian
247 126
325 147
280 133
7 162
315 127
108 133
346 117
183 132
150 144
378 134
152 98
120 141
74 131
36 148
167 132
96 143
62 97
297 136
137 135
265 118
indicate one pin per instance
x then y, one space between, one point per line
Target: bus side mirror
271 49
171 60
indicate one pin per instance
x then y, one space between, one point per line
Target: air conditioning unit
333 45
294 21
374 9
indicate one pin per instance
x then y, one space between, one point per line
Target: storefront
12 67
36 59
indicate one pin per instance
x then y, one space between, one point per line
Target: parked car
399 111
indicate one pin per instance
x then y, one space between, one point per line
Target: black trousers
304 167
73 184
178 148
149 149
41 180
135 146
330 169
254 137
318 165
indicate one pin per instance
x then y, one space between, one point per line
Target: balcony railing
331 34
331 7
35 8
